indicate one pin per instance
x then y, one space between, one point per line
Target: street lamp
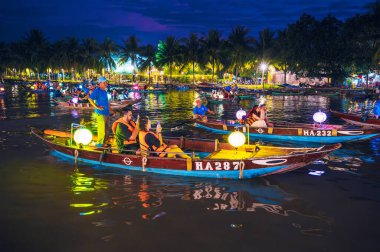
263 67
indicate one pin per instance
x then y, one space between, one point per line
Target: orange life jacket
250 119
131 127
144 146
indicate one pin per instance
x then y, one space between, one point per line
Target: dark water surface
47 205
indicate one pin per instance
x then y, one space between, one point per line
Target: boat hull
88 106
300 134
357 119
207 168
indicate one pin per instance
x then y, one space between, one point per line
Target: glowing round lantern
83 136
221 96
236 139
240 114
75 100
319 117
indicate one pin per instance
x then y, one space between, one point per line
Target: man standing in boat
99 100
126 131
200 111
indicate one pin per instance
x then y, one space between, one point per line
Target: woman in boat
150 141
257 116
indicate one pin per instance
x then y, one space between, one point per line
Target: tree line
308 47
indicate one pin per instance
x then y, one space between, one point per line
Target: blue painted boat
312 133
200 158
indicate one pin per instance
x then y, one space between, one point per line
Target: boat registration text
217 166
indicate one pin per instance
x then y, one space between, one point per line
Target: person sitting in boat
257 116
83 97
58 93
225 94
150 141
214 95
126 131
376 108
200 111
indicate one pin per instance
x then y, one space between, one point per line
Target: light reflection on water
149 198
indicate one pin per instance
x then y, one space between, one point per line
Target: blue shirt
101 99
200 111
376 108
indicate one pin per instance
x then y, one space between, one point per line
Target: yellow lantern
83 136
236 139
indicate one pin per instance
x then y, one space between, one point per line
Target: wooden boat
358 119
153 90
242 96
183 87
222 100
296 132
87 106
204 158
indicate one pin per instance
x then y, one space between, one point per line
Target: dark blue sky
152 20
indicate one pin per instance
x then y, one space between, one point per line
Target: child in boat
152 142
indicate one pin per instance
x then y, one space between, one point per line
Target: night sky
152 20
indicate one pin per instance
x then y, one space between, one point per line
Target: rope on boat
241 169
76 154
144 161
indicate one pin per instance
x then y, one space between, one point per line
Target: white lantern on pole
240 114
319 117
236 139
83 136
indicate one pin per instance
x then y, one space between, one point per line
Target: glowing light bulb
319 117
236 139
83 136
240 114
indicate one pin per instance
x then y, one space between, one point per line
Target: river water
48 205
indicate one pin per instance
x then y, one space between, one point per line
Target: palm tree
264 45
130 51
191 52
18 58
239 46
37 50
147 59
90 54
106 50
168 53
4 58
282 58
59 58
212 46
73 49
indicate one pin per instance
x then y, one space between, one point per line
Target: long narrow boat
296 132
153 90
87 106
357 119
222 100
203 158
